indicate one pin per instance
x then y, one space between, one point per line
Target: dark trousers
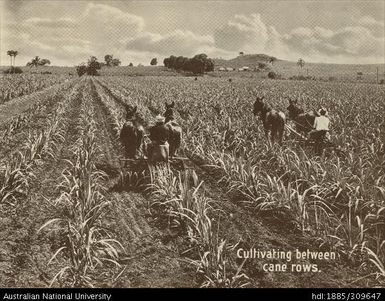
318 135
158 152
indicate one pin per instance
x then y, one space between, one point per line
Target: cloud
251 35
246 33
107 21
12 6
57 44
41 46
100 29
370 21
178 42
358 42
50 23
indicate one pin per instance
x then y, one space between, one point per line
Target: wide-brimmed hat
159 119
322 111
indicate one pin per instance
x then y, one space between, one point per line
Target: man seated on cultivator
321 126
158 149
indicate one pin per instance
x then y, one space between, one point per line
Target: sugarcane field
200 169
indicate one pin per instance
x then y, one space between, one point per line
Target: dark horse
303 121
132 133
273 121
175 131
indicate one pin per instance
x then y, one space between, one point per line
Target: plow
319 145
136 172
143 163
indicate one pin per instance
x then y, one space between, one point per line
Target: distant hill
249 60
288 69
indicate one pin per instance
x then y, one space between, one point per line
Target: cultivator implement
319 145
143 163
291 130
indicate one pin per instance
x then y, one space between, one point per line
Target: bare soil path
25 253
150 262
265 232
37 118
21 104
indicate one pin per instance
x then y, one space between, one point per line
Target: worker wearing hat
159 135
159 132
321 125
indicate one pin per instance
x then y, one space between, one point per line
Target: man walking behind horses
321 126
158 149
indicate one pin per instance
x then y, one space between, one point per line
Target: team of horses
133 133
274 121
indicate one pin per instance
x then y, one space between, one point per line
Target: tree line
93 65
198 64
35 62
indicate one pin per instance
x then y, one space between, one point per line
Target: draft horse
175 130
132 133
273 120
303 121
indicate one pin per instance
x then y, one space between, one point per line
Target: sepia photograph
191 144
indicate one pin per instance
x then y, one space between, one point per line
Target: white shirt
321 123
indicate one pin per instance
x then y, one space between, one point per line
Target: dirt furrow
265 232
37 121
119 101
25 252
21 104
150 263
110 147
238 223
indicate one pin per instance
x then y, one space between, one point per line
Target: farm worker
321 125
131 134
158 149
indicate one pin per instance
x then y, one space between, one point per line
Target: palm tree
10 53
301 63
37 61
272 59
34 62
15 53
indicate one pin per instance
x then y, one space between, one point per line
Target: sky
68 32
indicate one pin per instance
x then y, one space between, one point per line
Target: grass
338 200
179 198
315 192
81 206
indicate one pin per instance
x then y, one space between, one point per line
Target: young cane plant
189 209
13 180
87 244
